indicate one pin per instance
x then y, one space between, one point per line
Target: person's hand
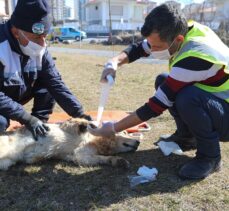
106 130
109 69
37 127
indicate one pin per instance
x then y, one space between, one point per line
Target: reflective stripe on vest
203 43
220 91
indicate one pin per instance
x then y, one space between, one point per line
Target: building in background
13 3
125 15
67 13
5 10
62 14
211 13
2 10
76 9
57 10
120 14
80 8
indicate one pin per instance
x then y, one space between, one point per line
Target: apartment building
5 10
121 14
80 11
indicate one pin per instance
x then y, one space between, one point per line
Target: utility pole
110 25
80 18
7 7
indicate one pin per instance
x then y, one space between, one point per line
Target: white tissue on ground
169 147
145 174
149 173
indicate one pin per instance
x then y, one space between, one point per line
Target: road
102 53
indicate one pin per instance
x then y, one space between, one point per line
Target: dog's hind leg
31 160
6 163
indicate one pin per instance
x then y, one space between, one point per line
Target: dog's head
115 144
125 143
76 126
121 142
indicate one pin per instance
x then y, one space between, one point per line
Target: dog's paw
120 162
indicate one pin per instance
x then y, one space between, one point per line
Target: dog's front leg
87 157
95 160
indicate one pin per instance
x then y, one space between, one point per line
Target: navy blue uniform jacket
17 80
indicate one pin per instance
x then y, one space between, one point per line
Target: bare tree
208 12
223 19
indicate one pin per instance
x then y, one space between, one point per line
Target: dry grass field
57 185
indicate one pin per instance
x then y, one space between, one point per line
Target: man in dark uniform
27 70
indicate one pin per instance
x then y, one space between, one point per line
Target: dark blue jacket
17 81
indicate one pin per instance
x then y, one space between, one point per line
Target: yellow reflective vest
203 43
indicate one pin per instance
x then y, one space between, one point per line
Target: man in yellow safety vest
196 91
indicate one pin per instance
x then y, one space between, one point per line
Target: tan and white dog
68 141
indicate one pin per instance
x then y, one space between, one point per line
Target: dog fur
69 141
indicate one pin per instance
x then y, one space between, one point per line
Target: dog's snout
137 142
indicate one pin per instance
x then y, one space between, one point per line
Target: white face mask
162 55
32 49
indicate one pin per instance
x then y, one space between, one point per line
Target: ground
58 185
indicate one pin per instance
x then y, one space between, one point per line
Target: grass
58 185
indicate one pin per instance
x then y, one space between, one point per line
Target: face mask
32 49
162 55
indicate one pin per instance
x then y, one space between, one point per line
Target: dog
69 141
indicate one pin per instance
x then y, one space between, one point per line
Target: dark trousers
43 105
200 114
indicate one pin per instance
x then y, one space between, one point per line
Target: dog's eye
126 145
92 126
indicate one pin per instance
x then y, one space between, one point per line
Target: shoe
200 167
185 143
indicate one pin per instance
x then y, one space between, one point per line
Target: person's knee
160 79
4 124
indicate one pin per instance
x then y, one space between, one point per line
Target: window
72 30
117 10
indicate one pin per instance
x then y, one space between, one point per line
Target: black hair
167 20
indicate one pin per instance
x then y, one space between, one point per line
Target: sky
69 2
